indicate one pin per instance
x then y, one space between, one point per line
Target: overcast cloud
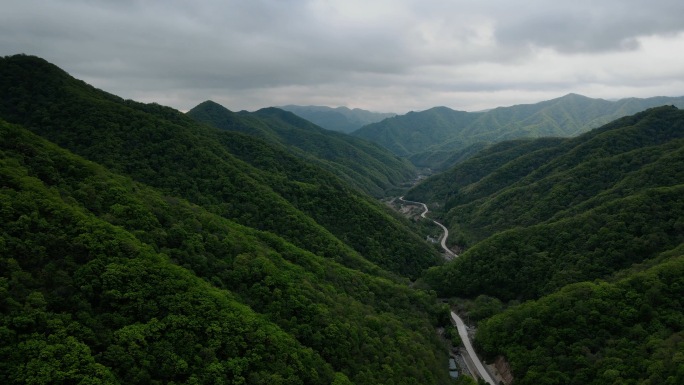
396 56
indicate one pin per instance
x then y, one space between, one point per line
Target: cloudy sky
390 56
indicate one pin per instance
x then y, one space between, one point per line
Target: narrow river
460 325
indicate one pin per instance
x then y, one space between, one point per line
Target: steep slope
165 149
360 163
624 332
588 234
340 119
85 301
107 279
418 132
573 210
569 115
429 140
443 187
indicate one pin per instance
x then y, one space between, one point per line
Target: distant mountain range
432 138
340 119
359 162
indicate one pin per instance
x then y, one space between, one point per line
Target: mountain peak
574 96
210 104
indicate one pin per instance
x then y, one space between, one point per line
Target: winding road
460 325
450 253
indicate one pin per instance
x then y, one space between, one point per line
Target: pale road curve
446 231
460 325
463 332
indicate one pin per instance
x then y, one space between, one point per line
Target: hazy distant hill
340 119
430 138
359 162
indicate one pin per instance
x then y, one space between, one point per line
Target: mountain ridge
430 137
361 163
578 249
112 269
194 161
341 119
139 246
537 189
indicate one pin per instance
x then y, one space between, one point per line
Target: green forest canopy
182 253
107 279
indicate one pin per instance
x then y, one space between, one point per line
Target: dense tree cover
442 131
360 163
445 188
440 160
626 332
590 231
577 210
528 262
525 183
85 302
167 150
217 257
312 193
341 119
417 132
105 279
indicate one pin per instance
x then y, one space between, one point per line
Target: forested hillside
340 119
417 132
358 162
106 279
264 188
431 138
549 212
138 245
625 332
590 229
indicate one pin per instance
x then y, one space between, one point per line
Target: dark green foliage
528 262
590 230
136 287
482 307
445 187
313 193
571 210
418 132
442 160
167 150
627 332
140 286
85 302
358 162
465 380
428 137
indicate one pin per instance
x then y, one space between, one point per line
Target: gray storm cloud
382 55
